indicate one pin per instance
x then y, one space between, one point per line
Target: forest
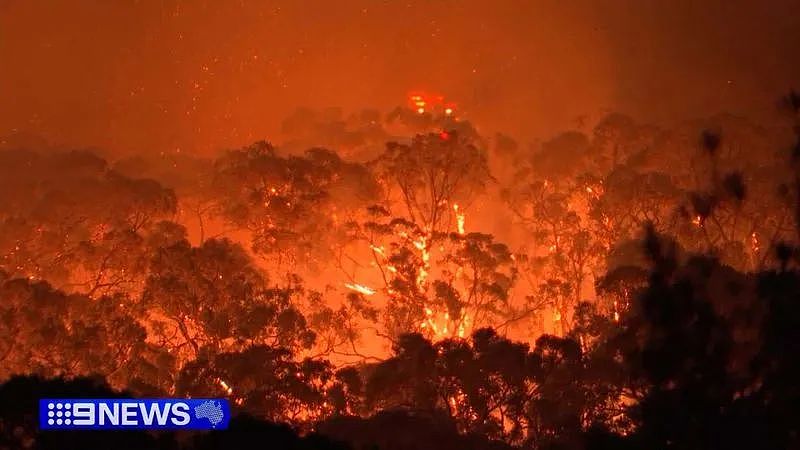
627 286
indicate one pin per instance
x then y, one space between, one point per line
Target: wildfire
697 221
360 288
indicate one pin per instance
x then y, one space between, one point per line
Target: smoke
168 76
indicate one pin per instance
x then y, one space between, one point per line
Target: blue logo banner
134 414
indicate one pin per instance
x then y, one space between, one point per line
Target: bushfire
429 268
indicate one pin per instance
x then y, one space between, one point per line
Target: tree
414 249
565 250
490 386
69 219
212 298
432 173
47 332
291 205
262 380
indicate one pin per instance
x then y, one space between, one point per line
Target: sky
200 76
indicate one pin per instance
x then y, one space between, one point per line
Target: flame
360 288
460 219
697 221
378 250
225 386
420 243
422 102
754 242
417 101
422 275
462 326
438 324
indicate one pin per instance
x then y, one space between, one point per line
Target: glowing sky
159 75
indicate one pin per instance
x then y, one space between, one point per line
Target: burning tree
69 219
292 205
212 299
435 276
564 253
51 333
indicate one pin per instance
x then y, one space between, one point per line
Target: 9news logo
134 414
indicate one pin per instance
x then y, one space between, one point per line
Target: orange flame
360 288
460 219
